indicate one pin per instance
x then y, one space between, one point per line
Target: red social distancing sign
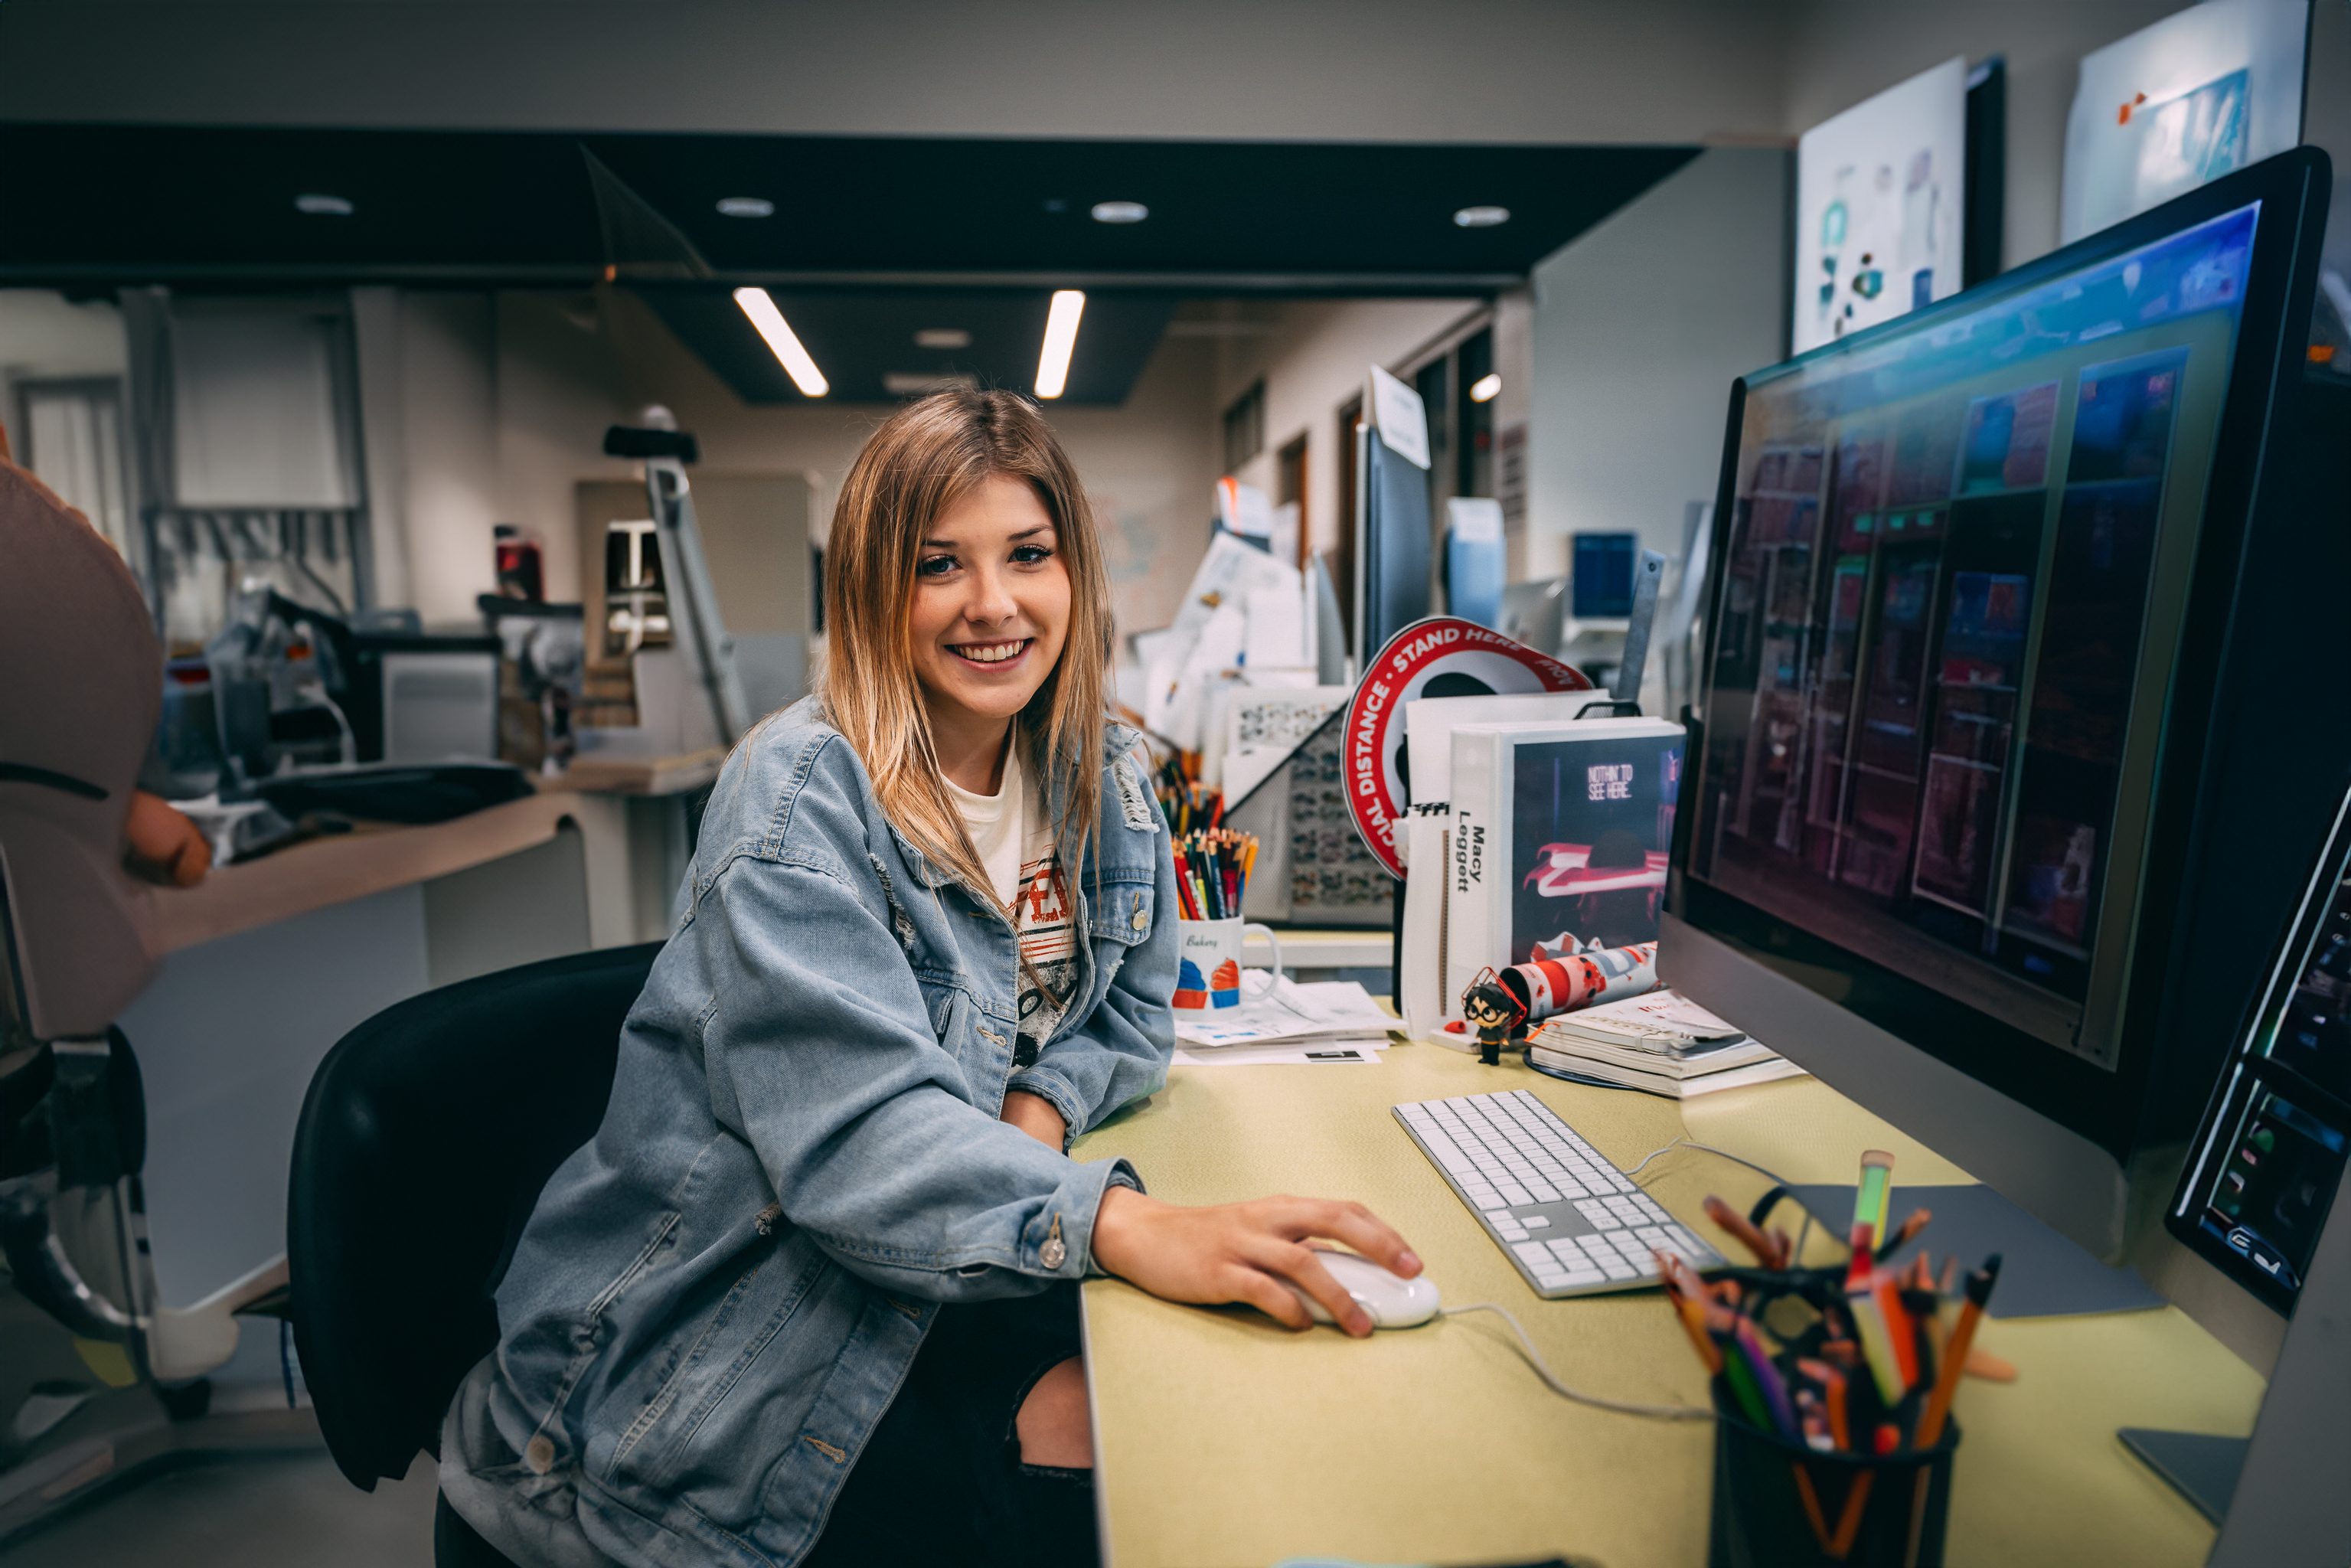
1438 657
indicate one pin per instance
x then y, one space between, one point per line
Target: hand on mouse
1243 1251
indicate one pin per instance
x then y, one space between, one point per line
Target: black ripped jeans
941 1479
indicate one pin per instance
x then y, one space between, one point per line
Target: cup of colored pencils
1212 872
1833 1387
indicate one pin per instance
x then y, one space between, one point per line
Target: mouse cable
1543 1370
1803 1231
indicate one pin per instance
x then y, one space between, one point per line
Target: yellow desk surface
1226 1440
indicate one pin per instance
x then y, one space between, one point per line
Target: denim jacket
716 1298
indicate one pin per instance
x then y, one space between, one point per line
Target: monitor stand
2278 1496
2201 1467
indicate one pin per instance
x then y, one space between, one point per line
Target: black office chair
424 1139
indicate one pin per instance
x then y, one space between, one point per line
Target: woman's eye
1029 555
934 566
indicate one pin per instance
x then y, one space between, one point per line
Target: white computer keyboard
1573 1224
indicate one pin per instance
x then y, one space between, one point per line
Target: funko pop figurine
1494 1013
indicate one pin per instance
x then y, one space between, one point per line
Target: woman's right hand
1243 1252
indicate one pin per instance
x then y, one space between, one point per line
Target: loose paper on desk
1290 1015
1319 1053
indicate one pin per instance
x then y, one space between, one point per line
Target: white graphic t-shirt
1014 843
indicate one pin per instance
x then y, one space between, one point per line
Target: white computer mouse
1393 1302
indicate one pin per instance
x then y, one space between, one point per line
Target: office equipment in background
1600 575
1535 614
293 686
1934 851
1333 667
1391 521
394 791
1880 206
1571 1223
690 599
1648 573
1474 563
2202 93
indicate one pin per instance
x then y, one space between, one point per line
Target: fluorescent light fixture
772 326
943 337
745 207
323 206
922 383
1485 387
1120 212
1481 217
1060 337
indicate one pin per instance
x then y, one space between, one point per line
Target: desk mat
2042 1274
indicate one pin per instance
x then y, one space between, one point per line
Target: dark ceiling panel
1226 208
861 338
150 204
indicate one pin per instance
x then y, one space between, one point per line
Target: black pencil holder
1761 1518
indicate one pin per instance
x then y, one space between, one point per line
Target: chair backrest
425 1139
78 708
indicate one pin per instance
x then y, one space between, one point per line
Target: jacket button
1142 921
1051 1254
539 1454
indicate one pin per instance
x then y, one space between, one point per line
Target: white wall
1842 51
1490 70
1639 328
44 334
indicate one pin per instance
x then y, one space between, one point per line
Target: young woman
810 1292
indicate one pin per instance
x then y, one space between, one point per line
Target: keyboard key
1533 1253
1597 1212
1545 1192
1513 1193
1551 1279
1578 1278
1537 1222
1499 1215
1569 1254
1649 1236
1649 1205
1618 1268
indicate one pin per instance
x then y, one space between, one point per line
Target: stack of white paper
1334 1022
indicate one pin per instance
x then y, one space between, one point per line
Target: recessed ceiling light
922 383
745 207
1120 212
943 337
323 206
1485 388
1481 217
1060 337
757 304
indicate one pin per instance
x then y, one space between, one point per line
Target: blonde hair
923 460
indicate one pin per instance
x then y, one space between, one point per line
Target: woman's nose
991 600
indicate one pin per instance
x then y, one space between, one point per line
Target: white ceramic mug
1208 963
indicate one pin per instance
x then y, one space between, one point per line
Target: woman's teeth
990 653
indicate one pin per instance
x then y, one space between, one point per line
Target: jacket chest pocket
1124 914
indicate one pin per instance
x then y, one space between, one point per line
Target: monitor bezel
2282 973
2101 1104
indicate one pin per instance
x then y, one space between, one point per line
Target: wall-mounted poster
2208 90
1880 206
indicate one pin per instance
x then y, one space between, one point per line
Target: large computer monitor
2004 770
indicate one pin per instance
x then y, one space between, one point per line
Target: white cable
1543 1370
1803 1231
